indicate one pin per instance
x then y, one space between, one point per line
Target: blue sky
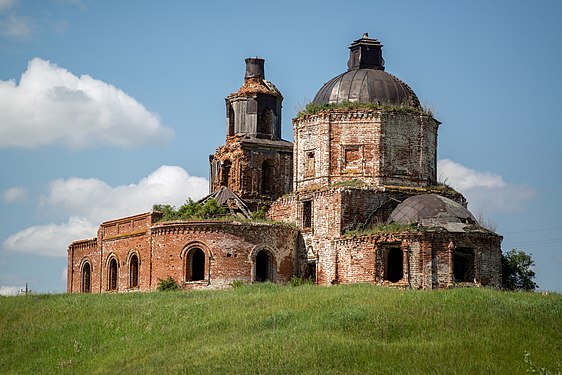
107 107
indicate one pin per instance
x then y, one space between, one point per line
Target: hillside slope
270 329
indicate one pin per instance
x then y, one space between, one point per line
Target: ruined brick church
354 199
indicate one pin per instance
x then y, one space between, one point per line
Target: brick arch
86 279
265 263
195 268
112 271
133 269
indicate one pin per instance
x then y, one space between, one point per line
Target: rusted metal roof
432 210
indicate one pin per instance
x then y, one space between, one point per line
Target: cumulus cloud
485 191
96 200
51 239
50 105
88 202
14 194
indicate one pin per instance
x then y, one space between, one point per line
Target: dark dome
430 209
367 86
366 81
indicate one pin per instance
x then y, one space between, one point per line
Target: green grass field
270 329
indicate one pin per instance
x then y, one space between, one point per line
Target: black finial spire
365 53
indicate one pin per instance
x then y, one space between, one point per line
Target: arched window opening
86 278
463 265
112 279
394 266
225 172
195 265
134 272
266 121
267 177
264 266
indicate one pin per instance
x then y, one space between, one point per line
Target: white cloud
14 194
15 26
485 191
53 106
9 290
97 201
50 239
88 202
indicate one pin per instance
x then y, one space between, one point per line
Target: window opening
266 121
195 265
112 285
225 172
307 214
463 265
394 267
267 177
264 266
309 166
134 272
86 277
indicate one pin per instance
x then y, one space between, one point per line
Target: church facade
354 198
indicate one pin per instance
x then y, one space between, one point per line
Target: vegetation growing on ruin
191 210
356 183
313 108
380 228
272 329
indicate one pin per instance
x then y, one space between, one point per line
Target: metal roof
432 210
365 80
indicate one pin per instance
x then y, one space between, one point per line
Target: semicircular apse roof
430 208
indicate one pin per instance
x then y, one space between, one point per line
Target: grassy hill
270 329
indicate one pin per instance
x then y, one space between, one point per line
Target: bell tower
255 109
255 163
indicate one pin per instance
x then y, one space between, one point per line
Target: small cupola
254 68
365 53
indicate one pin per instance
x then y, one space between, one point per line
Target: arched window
264 266
463 265
86 278
134 271
195 265
225 172
112 275
267 177
394 265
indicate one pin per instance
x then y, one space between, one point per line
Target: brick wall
230 250
377 147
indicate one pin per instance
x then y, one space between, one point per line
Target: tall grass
270 329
